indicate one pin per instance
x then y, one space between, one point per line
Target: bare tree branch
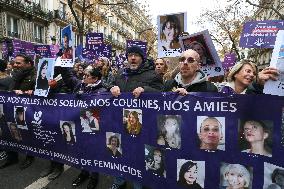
281 16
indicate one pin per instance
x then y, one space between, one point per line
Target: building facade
41 21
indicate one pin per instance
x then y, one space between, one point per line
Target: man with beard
138 77
23 82
190 78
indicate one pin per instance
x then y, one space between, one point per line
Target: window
62 10
38 33
12 26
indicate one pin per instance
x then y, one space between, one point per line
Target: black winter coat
144 77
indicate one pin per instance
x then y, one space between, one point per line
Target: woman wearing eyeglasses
189 78
91 84
243 78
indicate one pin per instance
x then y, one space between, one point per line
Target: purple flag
54 50
260 34
141 44
17 46
229 60
43 50
28 48
93 39
120 59
4 50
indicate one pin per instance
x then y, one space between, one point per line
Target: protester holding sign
138 78
244 79
90 84
24 77
190 78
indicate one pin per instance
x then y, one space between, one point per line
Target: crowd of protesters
139 75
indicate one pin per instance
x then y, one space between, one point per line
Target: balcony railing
28 7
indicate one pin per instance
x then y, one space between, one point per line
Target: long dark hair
45 62
70 130
184 168
175 23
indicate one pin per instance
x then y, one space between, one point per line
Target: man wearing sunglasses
189 78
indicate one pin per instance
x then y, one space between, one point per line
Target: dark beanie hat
135 49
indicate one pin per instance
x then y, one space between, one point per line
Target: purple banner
141 44
17 47
54 49
43 50
4 50
97 51
28 48
229 60
120 59
207 135
260 34
94 39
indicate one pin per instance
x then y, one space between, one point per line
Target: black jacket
24 79
144 77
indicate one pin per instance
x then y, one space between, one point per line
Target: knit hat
135 49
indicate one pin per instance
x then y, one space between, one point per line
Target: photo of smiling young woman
211 133
235 176
255 136
190 174
132 121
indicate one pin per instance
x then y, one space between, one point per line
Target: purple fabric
260 34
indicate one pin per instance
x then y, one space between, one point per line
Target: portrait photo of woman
113 144
211 133
20 114
89 120
14 131
191 174
67 49
198 43
256 137
235 176
132 121
42 81
68 131
169 131
155 161
169 32
273 176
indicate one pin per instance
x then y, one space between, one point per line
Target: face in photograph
210 133
15 133
154 159
257 135
20 117
113 144
235 176
67 132
170 31
188 174
132 122
169 131
89 121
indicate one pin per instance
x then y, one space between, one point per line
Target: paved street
14 178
